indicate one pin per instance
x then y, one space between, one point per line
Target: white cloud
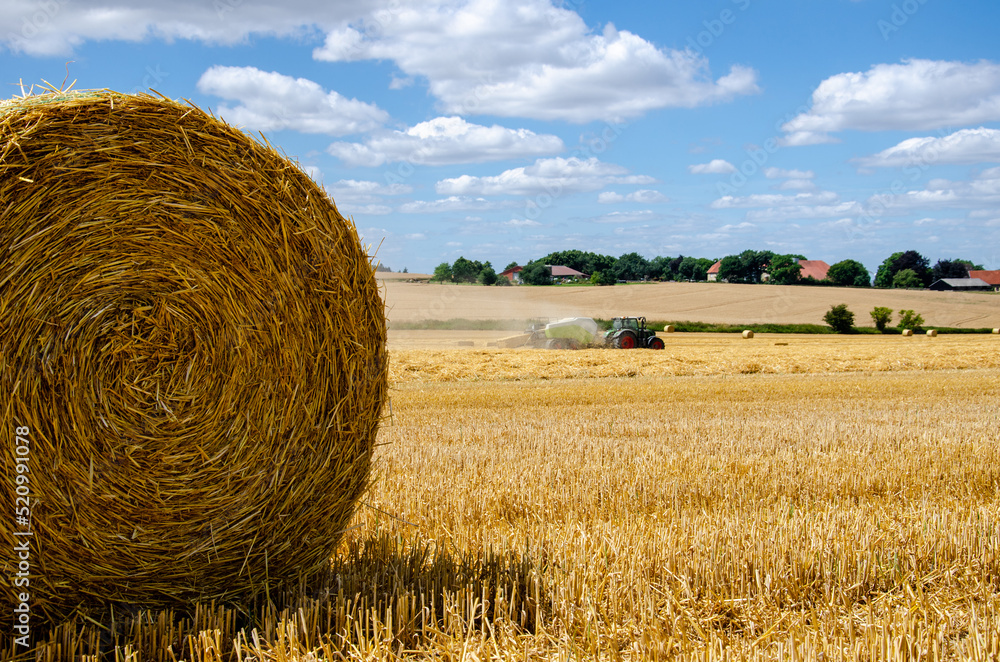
645 196
779 173
552 176
713 167
352 210
796 185
774 200
913 95
804 211
416 236
532 58
626 216
269 101
364 197
522 223
967 146
56 27
982 190
451 203
446 140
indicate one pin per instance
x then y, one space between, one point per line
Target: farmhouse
991 277
960 284
565 273
513 274
713 272
814 268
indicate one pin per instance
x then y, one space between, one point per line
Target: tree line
905 269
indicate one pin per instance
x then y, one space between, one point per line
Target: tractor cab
631 332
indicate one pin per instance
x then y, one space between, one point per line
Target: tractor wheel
656 343
626 340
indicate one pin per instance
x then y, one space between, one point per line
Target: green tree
881 316
511 266
785 270
536 273
953 269
502 281
631 266
907 279
897 262
465 271
442 273
910 320
487 276
659 267
602 278
747 267
849 273
839 318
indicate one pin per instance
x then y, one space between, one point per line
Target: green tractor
631 332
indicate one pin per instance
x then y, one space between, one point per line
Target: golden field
829 498
698 302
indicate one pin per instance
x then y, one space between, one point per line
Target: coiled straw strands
194 337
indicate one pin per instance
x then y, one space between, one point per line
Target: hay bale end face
669 328
932 333
194 339
748 334
996 331
907 332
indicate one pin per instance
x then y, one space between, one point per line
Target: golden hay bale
748 334
907 332
932 333
669 328
194 339
996 331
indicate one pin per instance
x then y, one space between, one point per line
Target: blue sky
503 130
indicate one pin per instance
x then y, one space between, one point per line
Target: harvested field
698 302
689 354
849 511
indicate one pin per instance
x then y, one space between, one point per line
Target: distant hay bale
932 333
748 334
669 328
907 332
193 336
996 331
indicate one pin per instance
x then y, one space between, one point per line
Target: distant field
701 302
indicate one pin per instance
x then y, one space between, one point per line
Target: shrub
910 320
839 318
602 278
881 316
907 279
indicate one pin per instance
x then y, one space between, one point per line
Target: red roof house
991 277
713 271
565 272
512 274
815 268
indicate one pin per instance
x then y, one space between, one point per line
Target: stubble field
829 498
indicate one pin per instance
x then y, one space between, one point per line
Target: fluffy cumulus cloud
645 196
531 58
56 27
913 95
365 196
446 140
644 215
968 146
552 176
713 167
774 200
269 101
982 191
450 204
792 180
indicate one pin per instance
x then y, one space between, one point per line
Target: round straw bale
669 328
996 331
748 334
932 333
192 345
907 332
